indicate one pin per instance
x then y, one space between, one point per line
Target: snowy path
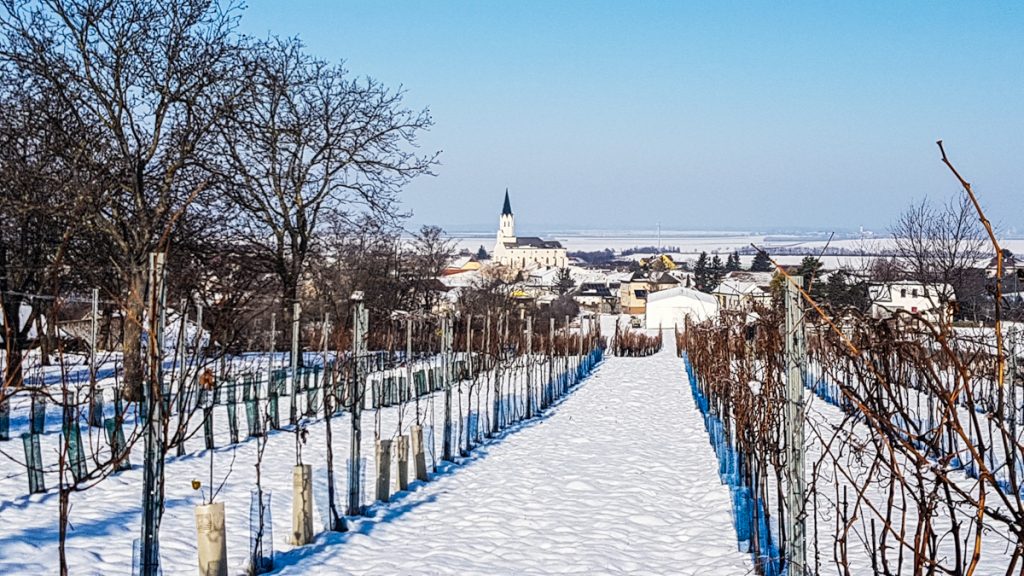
619 478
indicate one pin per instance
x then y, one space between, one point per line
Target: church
524 252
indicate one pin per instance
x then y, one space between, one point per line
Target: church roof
507 209
533 242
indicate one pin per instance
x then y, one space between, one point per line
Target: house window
903 293
914 292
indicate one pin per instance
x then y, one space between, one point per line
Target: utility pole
293 410
529 367
153 471
446 352
1012 384
95 395
485 364
199 334
325 389
199 343
469 374
551 357
568 363
796 367
179 360
273 384
273 339
359 329
410 386
496 424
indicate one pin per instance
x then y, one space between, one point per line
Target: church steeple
506 223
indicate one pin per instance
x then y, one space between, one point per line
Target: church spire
507 210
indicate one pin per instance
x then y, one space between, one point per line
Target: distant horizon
482 230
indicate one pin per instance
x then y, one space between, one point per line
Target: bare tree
306 147
39 209
365 258
940 245
432 251
152 77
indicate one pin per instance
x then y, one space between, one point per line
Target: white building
932 302
522 252
669 308
734 294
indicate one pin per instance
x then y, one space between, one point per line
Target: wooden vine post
796 368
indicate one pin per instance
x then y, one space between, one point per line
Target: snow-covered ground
619 477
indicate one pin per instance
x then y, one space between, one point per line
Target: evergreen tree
716 272
481 253
809 268
845 291
564 282
732 262
761 263
701 280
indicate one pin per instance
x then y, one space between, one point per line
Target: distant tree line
650 250
596 257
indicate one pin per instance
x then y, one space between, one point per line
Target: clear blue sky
694 115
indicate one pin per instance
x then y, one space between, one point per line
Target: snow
619 477
24 312
852 455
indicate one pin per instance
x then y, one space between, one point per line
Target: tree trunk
13 376
131 346
291 295
13 343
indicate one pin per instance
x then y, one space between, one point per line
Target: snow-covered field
691 244
616 478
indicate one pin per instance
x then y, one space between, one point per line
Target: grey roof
594 290
533 242
507 209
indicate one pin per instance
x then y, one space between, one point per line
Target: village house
596 297
633 294
540 281
664 281
1010 265
738 295
670 308
931 302
464 263
634 290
